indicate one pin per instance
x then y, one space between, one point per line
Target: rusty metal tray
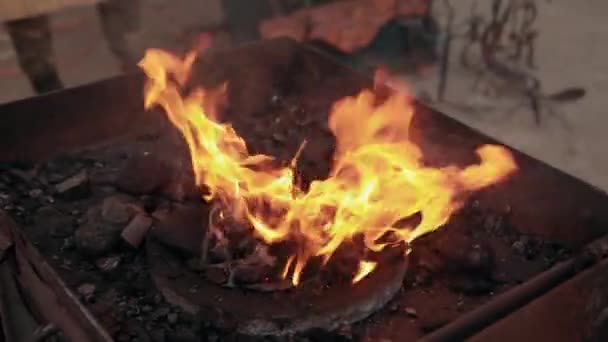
543 201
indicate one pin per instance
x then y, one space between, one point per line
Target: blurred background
531 73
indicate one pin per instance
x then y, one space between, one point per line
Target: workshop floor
572 52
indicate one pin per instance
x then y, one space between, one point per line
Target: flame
365 268
377 179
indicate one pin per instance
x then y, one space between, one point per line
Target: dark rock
118 209
183 334
160 312
183 229
62 228
75 187
216 275
161 213
461 253
194 264
182 185
96 238
411 312
158 335
219 254
123 337
250 274
58 224
519 246
345 330
68 244
35 193
599 327
279 137
86 290
108 264
172 318
422 277
143 174
141 334
471 286
480 258
150 203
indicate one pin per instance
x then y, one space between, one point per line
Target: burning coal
377 178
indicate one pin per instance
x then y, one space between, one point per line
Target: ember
374 157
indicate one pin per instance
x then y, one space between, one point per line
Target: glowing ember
377 178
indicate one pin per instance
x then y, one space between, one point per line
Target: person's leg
119 19
32 40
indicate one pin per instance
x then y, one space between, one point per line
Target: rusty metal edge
517 297
572 311
83 323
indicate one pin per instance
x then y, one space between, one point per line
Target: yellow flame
365 268
377 176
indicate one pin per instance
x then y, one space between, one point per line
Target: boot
46 82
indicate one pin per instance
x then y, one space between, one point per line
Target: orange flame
377 178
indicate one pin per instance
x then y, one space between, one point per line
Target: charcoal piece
35 193
86 290
183 229
411 312
75 187
158 335
61 227
471 286
183 334
219 253
96 238
461 253
135 232
250 273
195 264
59 224
181 187
118 210
160 312
172 318
143 174
108 264
216 275
98 234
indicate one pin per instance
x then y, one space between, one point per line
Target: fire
365 268
377 178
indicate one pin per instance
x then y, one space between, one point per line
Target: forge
309 242
290 214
